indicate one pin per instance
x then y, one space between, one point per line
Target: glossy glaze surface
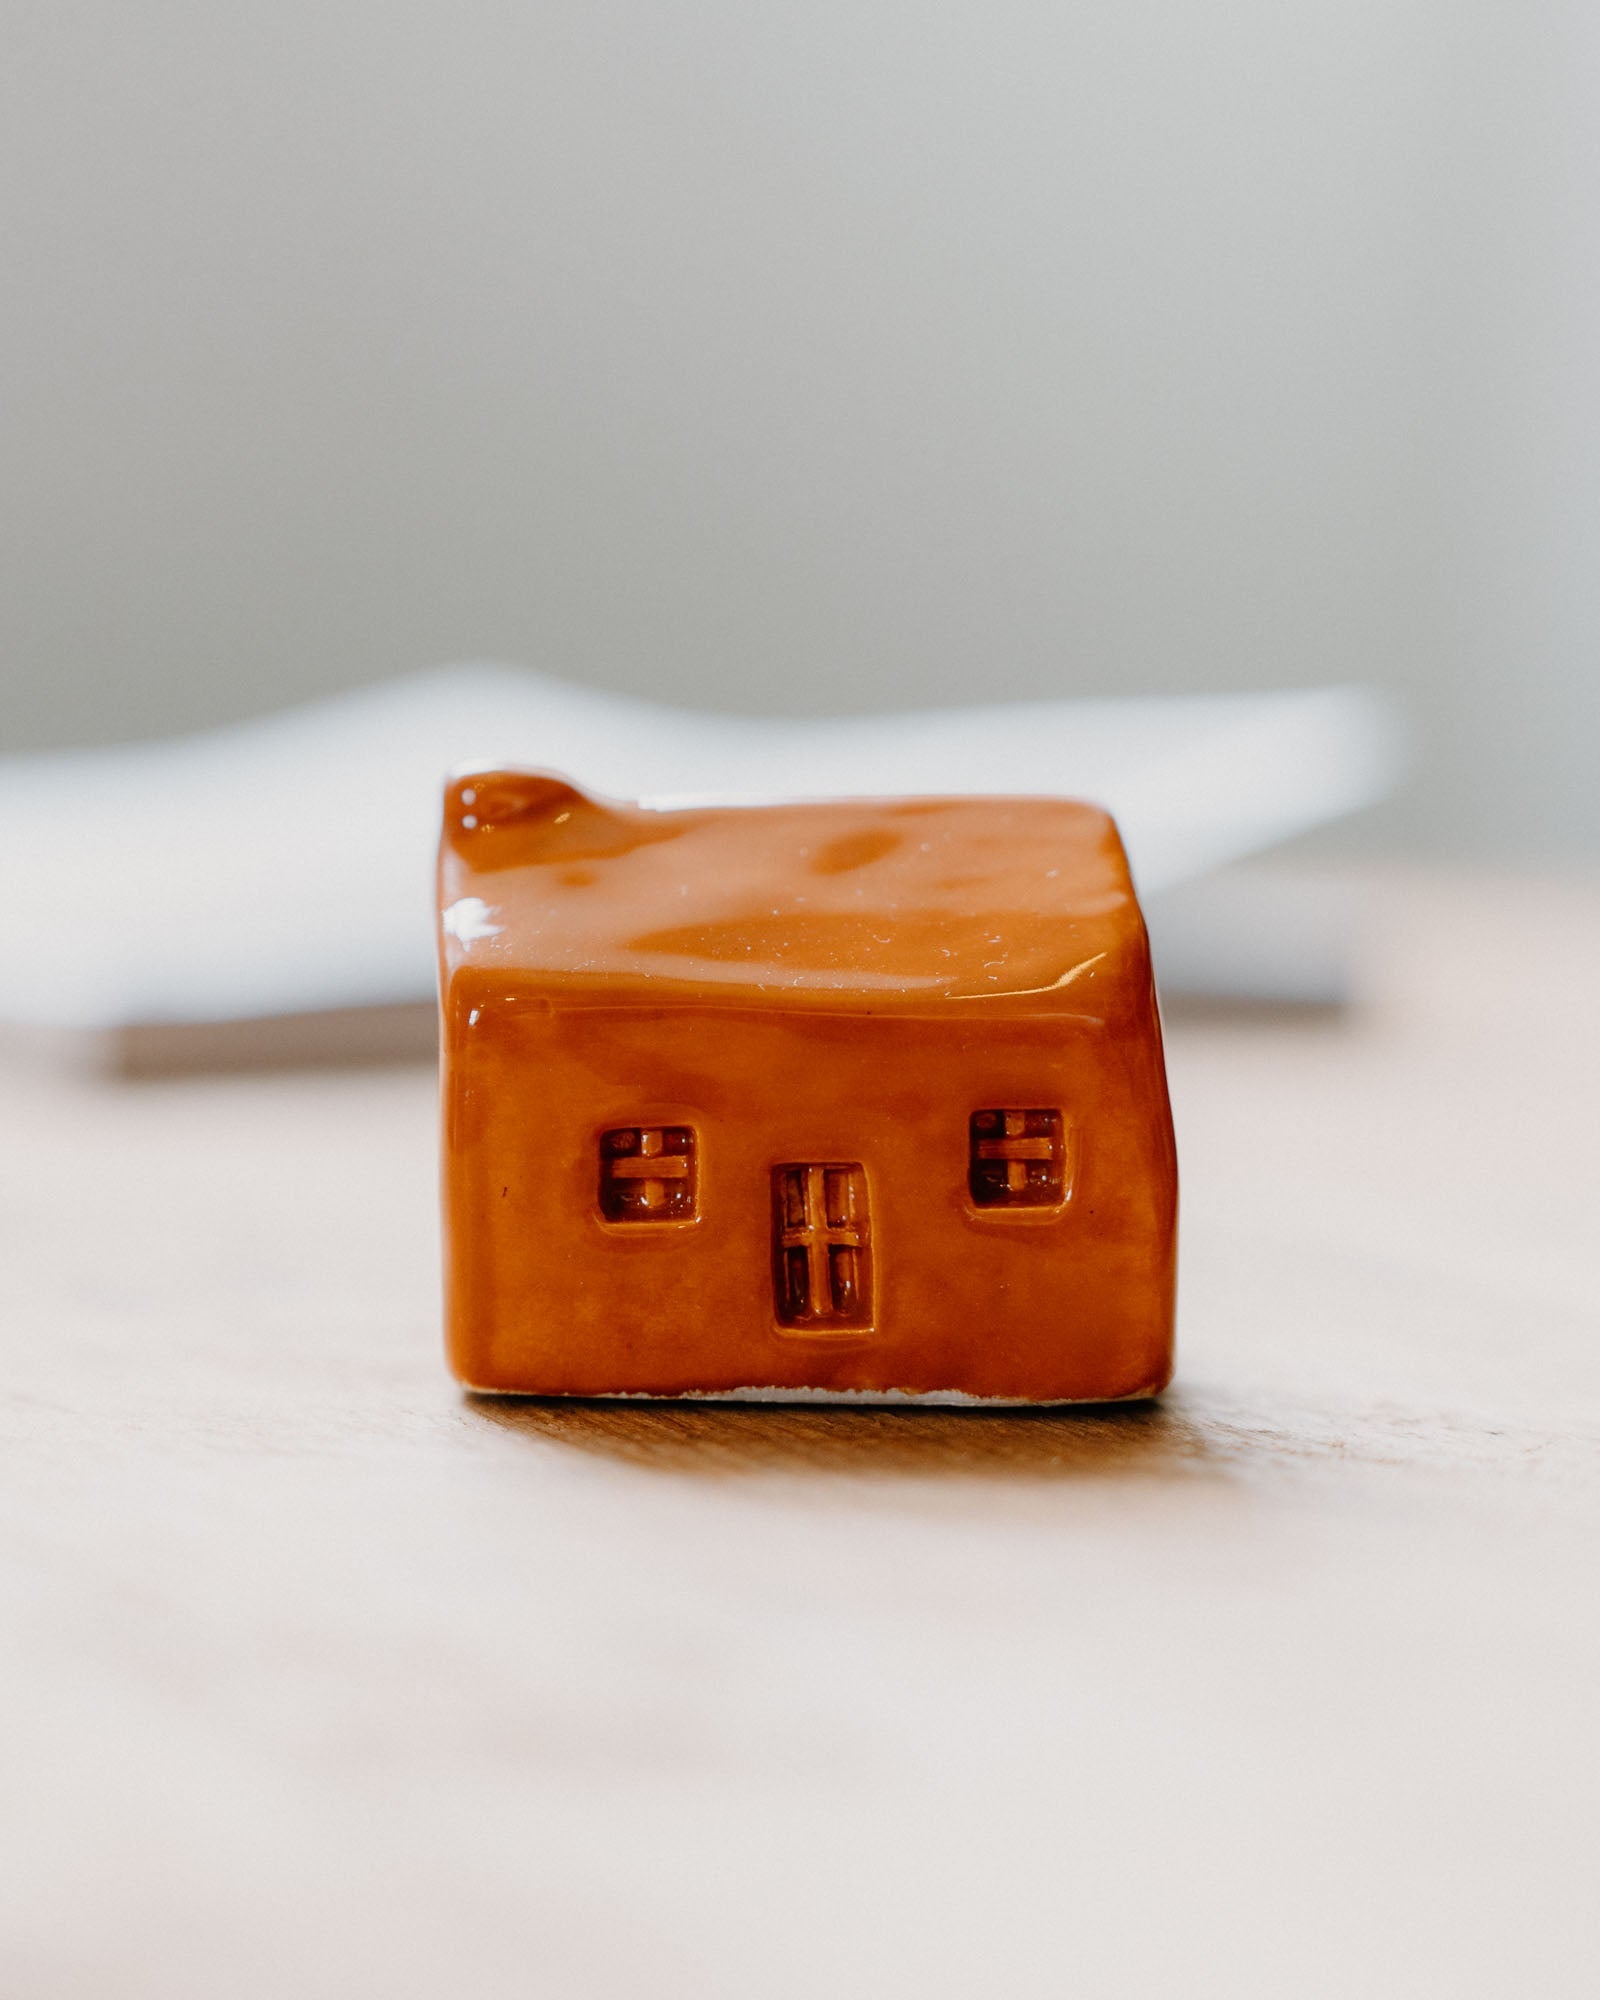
857 1097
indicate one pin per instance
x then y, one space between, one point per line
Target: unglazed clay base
854 1100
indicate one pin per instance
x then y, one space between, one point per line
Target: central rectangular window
821 1247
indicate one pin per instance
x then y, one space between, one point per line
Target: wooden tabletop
319 1678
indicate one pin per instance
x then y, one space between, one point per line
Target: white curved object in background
285 866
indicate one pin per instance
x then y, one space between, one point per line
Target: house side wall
545 1296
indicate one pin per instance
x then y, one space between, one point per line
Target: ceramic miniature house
849 1098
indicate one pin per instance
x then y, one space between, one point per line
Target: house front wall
1070 1299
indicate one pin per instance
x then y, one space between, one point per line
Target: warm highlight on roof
928 904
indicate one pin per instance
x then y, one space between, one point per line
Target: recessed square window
1018 1159
648 1173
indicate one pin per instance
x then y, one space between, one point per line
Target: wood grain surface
320 1678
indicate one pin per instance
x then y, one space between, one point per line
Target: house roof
927 905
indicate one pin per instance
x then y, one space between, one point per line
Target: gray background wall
839 354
